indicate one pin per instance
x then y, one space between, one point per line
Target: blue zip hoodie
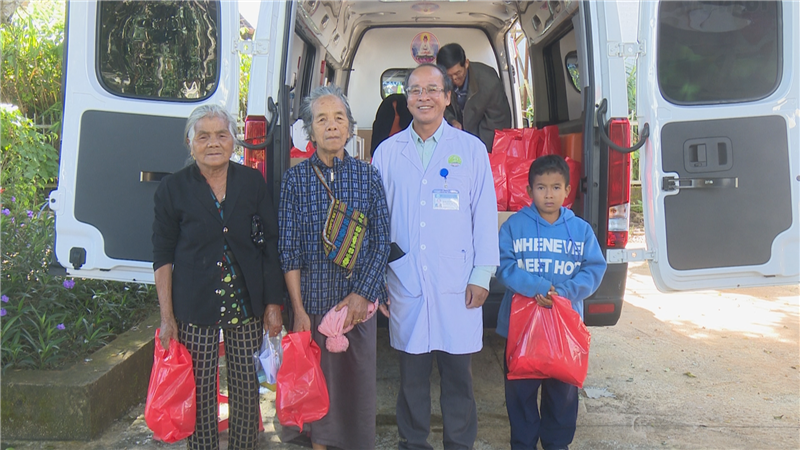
568 256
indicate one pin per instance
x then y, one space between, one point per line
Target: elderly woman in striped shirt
316 284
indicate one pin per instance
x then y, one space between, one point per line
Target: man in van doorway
442 207
479 104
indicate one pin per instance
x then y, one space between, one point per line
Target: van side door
134 71
718 87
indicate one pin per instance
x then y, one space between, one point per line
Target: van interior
367 47
538 48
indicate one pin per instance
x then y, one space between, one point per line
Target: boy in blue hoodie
544 250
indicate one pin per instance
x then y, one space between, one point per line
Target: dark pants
240 345
559 412
459 413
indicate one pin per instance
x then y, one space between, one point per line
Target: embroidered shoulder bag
344 229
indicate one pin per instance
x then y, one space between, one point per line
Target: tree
9 7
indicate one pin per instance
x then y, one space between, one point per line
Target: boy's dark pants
556 427
559 413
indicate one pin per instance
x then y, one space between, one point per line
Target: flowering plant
50 320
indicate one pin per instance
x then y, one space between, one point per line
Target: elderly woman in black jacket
211 274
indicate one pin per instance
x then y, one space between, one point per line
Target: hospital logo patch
454 160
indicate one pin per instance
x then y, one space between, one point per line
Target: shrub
29 160
49 321
32 60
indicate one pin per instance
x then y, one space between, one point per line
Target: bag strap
322 179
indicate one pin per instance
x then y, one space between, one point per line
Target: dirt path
701 370
706 370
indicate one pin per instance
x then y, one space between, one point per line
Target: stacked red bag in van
297 153
513 152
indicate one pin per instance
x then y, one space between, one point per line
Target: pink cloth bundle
331 326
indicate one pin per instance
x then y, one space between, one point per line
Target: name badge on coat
445 200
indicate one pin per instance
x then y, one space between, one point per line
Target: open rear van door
719 88
267 119
134 72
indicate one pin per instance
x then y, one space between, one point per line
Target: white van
717 98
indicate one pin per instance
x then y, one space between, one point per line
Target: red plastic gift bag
550 142
297 153
574 181
302 394
502 140
500 176
533 138
511 142
517 169
543 141
170 411
547 342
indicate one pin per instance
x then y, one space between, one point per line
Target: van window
392 82
573 69
159 50
718 52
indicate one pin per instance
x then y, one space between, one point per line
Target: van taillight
619 184
600 308
255 129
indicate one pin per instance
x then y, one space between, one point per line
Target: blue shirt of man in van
461 92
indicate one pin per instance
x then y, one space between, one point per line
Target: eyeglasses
417 91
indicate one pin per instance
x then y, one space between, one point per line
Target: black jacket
188 233
391 106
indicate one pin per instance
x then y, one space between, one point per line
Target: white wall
387 48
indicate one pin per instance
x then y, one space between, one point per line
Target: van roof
392 12
339 25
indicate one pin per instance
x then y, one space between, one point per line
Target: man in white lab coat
443 218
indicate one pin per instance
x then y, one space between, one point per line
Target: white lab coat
427 286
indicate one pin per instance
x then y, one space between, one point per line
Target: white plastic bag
268 360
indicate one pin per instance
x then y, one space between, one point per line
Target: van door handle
147 177
273 108
714 154
674 183
644 131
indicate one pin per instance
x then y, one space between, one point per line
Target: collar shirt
301 216
461 93
426 148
